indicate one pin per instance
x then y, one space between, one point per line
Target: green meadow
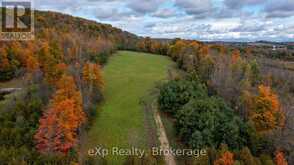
120 119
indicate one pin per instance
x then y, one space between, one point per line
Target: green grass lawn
128 77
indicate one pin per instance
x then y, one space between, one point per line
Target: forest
233 103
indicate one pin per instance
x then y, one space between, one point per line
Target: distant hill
66 23
86 28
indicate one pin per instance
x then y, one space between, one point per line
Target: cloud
237 20
165 13
237 4
283 8
150 25
203 9
252 28
49 4
197 8
111 14
231 13
146 6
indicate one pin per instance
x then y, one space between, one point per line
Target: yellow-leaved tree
92 75
266 112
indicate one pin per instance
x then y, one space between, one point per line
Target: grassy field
119 123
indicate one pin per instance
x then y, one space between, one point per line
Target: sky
205 20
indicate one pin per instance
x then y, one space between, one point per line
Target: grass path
119 123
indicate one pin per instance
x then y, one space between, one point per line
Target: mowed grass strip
120 119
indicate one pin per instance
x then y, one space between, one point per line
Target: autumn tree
92 84
15 54
175 50
227 158
222 50
196 59
154 47
70 47
49 64
141 45
146 45
266 111
188 56
57 132
248 52
280 158
92 75
239 73
235 56
206 64
237 65
204 50
246 102
32 63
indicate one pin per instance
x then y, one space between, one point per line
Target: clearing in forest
120 119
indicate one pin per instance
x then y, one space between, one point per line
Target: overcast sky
227 20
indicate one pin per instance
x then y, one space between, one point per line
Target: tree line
224 104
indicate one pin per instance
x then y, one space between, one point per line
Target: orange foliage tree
204 50
176 49
49 64
222 50
155 47
235 56
266 111
57 132
280 159
227 158
92 75
32 63
19 52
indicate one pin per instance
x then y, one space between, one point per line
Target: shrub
209 122
176 93
258 143
101 58
266 160
247 158
7 74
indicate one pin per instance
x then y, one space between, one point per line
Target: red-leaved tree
57 132
280 159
